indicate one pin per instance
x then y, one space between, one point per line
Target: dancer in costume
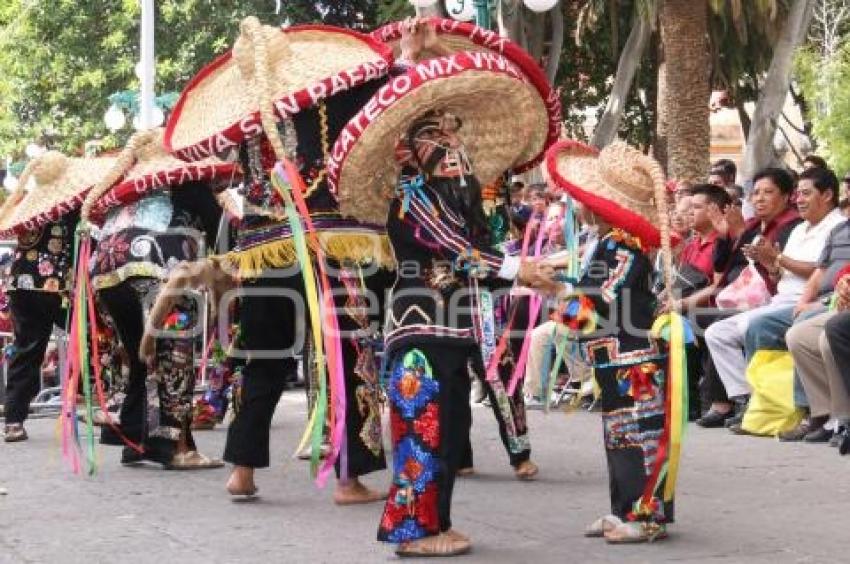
622 193
156 211
406 160
416 40
43 220
319 97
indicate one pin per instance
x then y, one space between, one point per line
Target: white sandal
603 525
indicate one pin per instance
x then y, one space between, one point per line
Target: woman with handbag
746 283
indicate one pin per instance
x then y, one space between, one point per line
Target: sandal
603 525
192 460
15 433
244 497
444 544
465 472
636 532
457 535
526 471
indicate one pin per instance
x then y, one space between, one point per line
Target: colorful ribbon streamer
289 184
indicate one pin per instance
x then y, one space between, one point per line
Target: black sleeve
783 234
722 253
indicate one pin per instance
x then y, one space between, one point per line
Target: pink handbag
748 291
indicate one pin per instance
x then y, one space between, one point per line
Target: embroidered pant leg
632 434
272 314
170 387
429 397
358 311
510 414
364 451
124 306
509 410
33 315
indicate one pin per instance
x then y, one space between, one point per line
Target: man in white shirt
765 327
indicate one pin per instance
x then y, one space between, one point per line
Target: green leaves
61 60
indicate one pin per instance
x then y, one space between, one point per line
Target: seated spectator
723 173
695 282
763 239
814 161
837 333
817 374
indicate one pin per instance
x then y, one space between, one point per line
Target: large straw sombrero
58 187
458 36
619 184
304 64
144 167
505 123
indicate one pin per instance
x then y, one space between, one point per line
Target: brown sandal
526 471
444 544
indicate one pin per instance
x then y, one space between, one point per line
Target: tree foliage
60 60
822 83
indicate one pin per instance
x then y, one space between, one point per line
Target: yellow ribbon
677 377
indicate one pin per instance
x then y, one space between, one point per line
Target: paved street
741 500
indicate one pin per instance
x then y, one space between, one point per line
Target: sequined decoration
411 509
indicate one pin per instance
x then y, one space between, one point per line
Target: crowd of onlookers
760 276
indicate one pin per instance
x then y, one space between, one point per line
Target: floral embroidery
412 387
42 260
411 508
639 381
428 426
112 252
45 268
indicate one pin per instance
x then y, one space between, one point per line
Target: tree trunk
535 26
760 153
509 16
630 58
659 147
684 96
435 11
556 43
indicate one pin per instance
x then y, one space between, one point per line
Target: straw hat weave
620 184
303 65
59 185
504 125
145 166
458 36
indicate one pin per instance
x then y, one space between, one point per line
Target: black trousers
123 305
838 334
711 388
33 314
269 333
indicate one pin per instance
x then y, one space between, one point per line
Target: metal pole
482 13
146 97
